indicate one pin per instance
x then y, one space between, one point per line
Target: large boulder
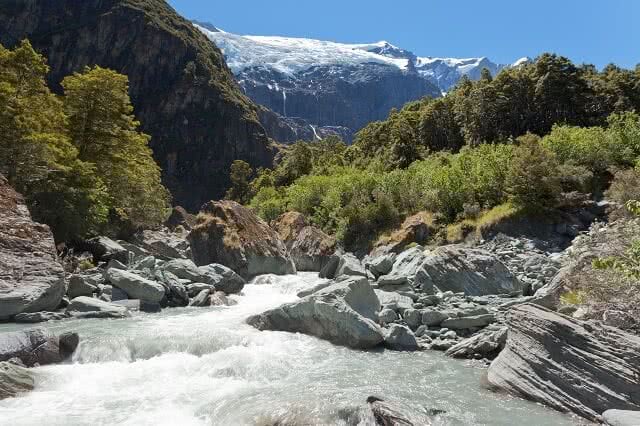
31 278
345 313
472 271
621 418
234 236
570 365
310 248
135 286
184 269
486 344
89 307
400 338
350 265
14 380
222 278
164 244
104 249
37 346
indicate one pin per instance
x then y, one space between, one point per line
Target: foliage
78 159
239 176
104 130
36 153
533 180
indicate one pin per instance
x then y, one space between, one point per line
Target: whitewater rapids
205 366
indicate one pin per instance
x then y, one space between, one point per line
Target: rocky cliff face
31 278
181 88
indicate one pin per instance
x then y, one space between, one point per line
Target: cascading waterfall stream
203 366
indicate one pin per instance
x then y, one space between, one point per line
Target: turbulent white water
205 366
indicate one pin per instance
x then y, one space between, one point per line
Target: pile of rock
148 284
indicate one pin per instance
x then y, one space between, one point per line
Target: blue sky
589 31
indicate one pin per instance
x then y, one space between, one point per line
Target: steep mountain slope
336 84
181 88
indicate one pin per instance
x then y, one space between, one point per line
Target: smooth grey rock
223 278
35 317
313 289
400 301
485 344
345 313
472 271
195 288
387 315
570 365
329 268
408 262
37 346
148 262
80 285
381 265
114 263
165 244
202 299
183 268
392 280
469 322
400 338
88 307
14 380
621 417
412 317
351 266
135 286
432 317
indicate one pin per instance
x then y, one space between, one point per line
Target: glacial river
205 366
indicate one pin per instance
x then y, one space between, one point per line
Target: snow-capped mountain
336 84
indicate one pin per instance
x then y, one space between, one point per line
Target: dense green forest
79 158
489 148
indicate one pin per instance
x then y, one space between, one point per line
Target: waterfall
284 102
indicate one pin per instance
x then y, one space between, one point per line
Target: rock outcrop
570 365
31 278
135 286
310 248
472 271
37 346
345 313
417 228
232 235
182 91
621 418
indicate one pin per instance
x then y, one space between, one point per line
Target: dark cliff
181 88
347 96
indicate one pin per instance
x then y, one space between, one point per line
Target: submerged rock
570 365
37 346
345 313
386 415
41 316
88 307
31 278
14 380
232 235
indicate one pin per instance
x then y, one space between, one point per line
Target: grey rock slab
400 338
136 286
